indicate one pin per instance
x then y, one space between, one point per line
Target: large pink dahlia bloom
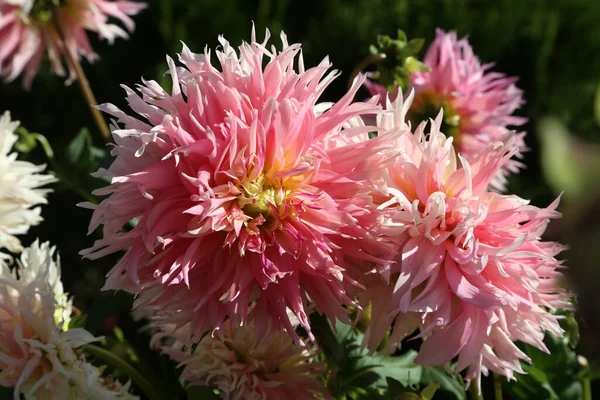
472 272
245 369
28 32
243 206
478 104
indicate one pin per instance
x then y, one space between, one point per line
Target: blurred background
552 46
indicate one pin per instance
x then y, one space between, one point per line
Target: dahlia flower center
260 197
427 105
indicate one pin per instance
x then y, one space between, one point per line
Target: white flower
19 189
36 263
37 359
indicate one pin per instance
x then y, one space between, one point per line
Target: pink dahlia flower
243 206
472 272
243 369
28 31
478 104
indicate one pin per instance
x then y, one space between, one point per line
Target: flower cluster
30 29
255 205
39 356
20 183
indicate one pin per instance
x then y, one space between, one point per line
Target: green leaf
447 382
395 388
79 152
401 368
415 46
540 377
78 321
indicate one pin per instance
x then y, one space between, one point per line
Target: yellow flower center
259 197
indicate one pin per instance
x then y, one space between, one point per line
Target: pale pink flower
478 104
28 33
38 358
243 369
472 272
243 206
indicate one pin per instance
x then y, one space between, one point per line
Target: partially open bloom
478 104
36 357
20 183
240 206
30 29
472 272
243 369
37 263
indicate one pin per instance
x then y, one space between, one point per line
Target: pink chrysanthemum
478 104
243 369
472 272
28 30
242 204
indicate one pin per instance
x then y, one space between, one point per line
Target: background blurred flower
28 30
472 271
239 197
19 189
478 104
232 360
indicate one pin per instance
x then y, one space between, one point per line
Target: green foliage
396 59
447 383
559 374
78 322
357 374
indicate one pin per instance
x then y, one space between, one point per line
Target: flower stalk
84 85
116 362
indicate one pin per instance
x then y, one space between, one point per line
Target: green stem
587 389
372 59
498 387
83 84
59 172
474 391
118 363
